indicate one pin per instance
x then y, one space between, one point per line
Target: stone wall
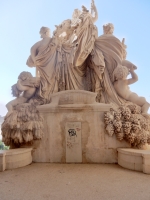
96 146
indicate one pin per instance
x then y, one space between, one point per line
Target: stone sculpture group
76 58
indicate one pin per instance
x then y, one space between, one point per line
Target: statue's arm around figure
134 77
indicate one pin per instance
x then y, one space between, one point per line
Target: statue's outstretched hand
93 7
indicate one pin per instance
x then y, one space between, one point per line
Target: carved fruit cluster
127 123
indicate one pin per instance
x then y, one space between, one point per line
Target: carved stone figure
23 123
86 33
121 86
75 17
24 89
76 58
108 29
36 48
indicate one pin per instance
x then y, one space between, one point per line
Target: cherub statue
121 86
24 89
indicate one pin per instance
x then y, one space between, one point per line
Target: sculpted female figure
62 64
45 56
53 59
86 33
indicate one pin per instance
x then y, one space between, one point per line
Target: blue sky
20 22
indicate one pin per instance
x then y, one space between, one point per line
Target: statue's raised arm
94 11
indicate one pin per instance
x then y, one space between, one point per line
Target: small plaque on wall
73 142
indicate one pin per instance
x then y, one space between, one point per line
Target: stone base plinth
134 159
75 132
15 158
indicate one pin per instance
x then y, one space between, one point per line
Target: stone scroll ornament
76 58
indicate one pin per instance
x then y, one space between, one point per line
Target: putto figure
121 86
24 89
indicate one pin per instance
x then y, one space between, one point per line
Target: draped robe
63 66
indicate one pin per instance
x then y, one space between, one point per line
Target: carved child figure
121 86
24 89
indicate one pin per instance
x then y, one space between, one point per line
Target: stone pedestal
15 158
77 109
134 159
2 161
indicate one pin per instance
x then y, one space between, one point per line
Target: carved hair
62 28
108 28
44 29
120 72
84 9
66 23
76 14
25 74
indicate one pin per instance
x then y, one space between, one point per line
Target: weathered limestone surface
97 147
15 158
2 161
134 159
73 142
79 94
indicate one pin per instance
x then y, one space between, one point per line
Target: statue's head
44 32
66 24
76 13
25 75
63 28
108 28
120 72
84 9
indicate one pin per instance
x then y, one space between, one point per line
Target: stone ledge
15 158
97 107
134 159
73 97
